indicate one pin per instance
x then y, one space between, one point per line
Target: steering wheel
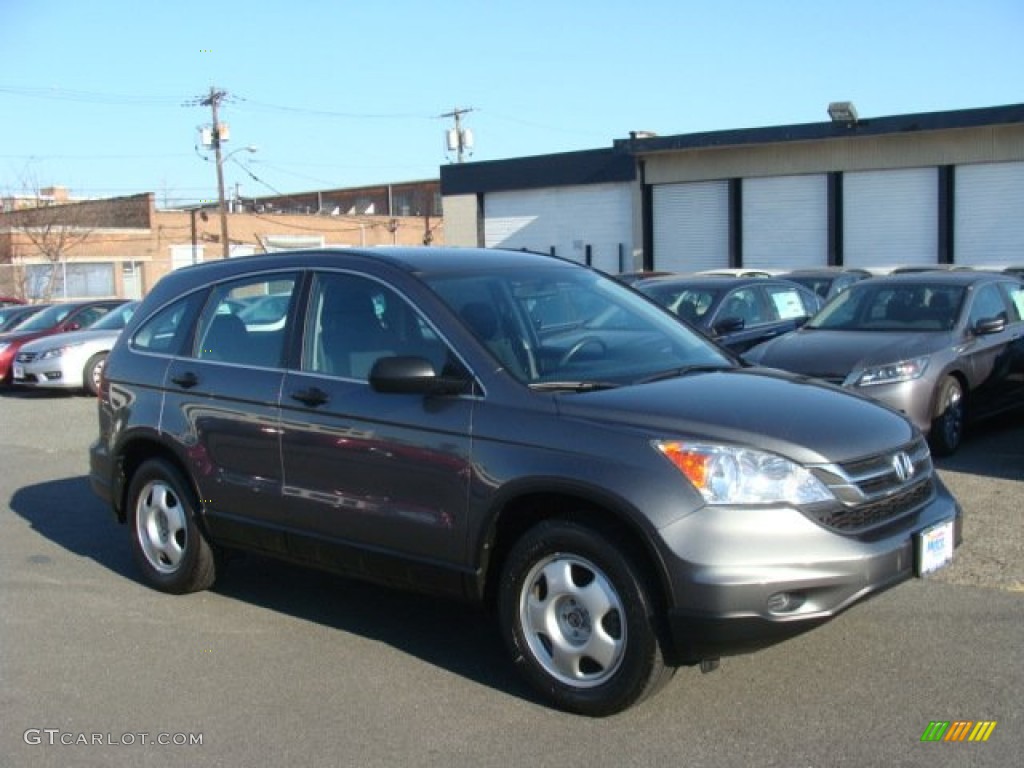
575 349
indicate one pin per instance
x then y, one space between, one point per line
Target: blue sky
96 95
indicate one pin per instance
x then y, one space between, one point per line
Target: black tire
566 586
947 430
168 546
91 373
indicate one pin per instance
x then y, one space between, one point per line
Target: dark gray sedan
940 347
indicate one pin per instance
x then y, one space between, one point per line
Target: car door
85 316
221 408
372 481
755 313
989 352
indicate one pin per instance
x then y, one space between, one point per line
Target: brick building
122 246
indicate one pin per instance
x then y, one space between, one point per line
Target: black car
737 312
514 430
827 281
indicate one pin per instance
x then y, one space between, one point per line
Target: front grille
27 357
871 515
876 490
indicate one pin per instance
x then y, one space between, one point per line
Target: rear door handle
311 397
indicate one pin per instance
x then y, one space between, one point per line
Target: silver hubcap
573 620
97 372
161 526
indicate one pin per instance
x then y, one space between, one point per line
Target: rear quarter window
166 332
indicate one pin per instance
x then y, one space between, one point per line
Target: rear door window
245 322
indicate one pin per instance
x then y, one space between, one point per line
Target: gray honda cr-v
515 430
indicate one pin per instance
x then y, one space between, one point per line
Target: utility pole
460 140
213 101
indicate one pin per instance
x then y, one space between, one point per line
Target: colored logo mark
958 730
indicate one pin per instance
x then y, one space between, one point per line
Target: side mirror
989 325
728 325
407 375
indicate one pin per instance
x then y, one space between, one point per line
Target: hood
834 354
804 420
70 337
23 336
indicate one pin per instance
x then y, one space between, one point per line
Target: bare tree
50 230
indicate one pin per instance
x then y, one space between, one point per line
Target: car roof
710 281
422 260
825 272
963 278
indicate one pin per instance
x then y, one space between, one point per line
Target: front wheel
93 372
947 428
578 619
168 546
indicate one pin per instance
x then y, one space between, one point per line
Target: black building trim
592 166
875 126
646 219
947 205
735 223
834 211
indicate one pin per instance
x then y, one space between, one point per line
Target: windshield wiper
572 386
684 370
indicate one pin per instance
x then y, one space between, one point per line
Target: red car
66 316
6 301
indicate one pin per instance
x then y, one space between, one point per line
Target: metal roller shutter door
691 226
566 218
785 222
890 218
988 221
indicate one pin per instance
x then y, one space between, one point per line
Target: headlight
56 351
892 373
729 475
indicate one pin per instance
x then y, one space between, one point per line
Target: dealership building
915 189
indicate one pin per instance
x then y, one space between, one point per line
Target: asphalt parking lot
281 666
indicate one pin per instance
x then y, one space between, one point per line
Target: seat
940 310
483 321
226 340
900 308
352 337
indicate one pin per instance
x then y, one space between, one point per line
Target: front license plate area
18 372
934 548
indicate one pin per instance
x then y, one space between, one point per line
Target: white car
72 360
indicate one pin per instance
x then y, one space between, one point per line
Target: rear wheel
947 428
92 372
578 619
168 546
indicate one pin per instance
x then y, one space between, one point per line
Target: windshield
115 319
870 306
46 318
690 302
559 324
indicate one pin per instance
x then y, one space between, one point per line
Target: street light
222 209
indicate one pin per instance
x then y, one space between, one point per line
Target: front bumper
46 374
740 585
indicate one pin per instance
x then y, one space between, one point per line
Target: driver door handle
312 397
